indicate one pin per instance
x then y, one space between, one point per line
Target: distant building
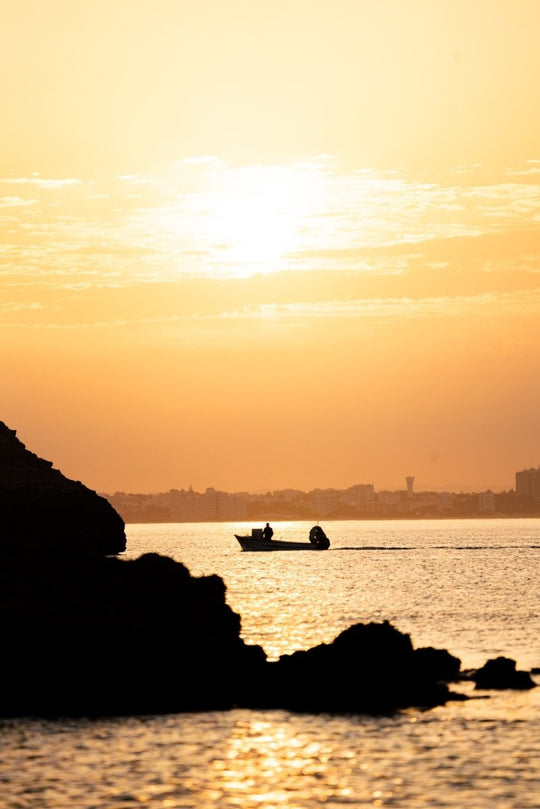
389 502
233 506
445 501
360 497
528 484
486 502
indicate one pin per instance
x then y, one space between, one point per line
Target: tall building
528 484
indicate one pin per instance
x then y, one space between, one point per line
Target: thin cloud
16 202
40 182
204 218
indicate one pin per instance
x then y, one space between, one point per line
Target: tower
409 480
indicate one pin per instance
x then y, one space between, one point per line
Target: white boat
318 541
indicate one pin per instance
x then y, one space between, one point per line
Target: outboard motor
318 538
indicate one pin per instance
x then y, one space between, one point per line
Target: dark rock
369 668
45 513
439 664
499 673
108 636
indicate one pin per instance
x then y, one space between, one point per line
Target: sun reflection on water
270 762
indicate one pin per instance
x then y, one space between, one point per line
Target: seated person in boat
268 532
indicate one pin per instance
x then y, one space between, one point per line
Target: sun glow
234 222
208 219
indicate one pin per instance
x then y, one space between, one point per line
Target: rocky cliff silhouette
45 513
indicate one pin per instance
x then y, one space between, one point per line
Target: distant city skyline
359 501
526 480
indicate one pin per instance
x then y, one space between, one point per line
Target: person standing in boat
268 532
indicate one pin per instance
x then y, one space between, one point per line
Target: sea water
468 586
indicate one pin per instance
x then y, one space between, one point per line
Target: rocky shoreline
85 633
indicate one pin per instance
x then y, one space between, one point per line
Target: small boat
318 541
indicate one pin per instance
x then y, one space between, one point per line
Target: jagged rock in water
499 673
368 668
438 663
43 512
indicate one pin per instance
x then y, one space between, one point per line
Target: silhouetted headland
84 632
45 513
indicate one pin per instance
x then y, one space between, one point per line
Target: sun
255 227
254 220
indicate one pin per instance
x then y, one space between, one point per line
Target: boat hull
249 543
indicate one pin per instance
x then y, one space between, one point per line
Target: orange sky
256 245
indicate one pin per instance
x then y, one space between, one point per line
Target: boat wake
435 547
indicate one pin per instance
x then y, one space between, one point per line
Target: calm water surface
468 586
